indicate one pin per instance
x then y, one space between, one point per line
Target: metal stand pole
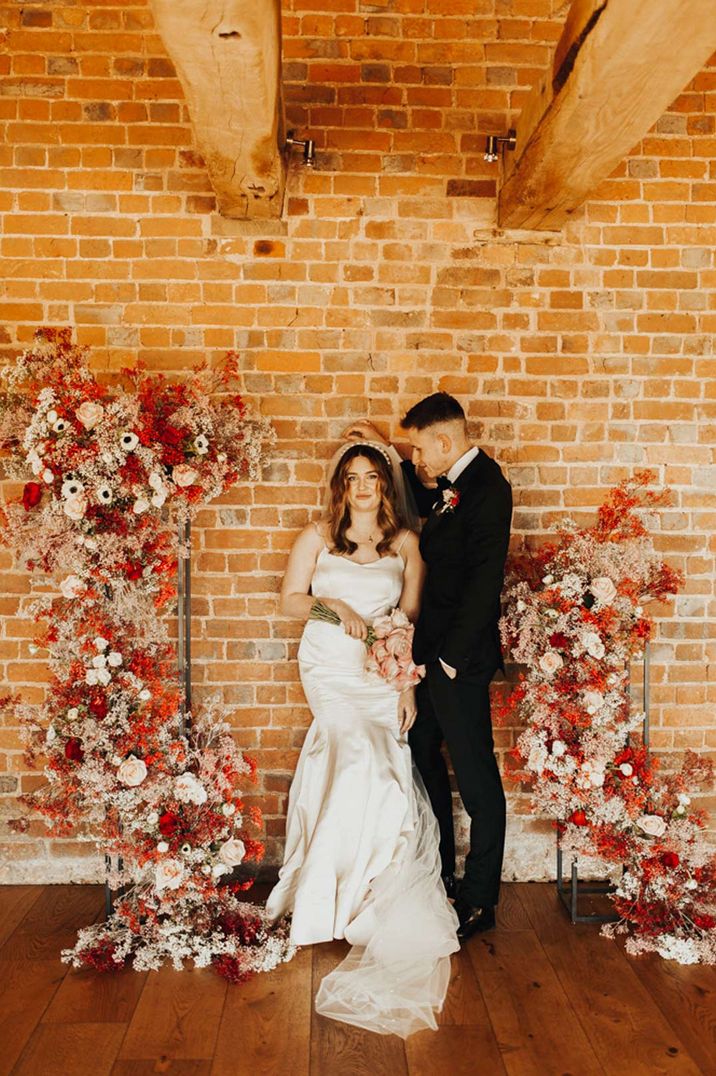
570 893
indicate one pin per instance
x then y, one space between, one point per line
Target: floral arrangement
575 617
450 500
108 473
389 643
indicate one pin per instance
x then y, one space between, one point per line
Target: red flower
98 706
704 922
670 859
31 495
134 571
73 750
169 824
579 818
559 641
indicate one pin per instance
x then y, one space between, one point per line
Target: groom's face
431 450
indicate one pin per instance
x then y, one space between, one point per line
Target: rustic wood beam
618 65
227 55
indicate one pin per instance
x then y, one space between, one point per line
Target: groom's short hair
440 407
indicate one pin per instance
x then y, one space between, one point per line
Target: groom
464 545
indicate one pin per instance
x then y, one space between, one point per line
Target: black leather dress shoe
473 920
450 886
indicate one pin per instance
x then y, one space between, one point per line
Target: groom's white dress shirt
452 476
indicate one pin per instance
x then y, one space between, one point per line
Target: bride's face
362 485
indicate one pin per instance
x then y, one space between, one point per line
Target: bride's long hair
339 512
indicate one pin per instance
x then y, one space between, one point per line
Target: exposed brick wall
579 356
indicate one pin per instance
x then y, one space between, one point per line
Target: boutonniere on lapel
451 499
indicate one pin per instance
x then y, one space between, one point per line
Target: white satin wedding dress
361 859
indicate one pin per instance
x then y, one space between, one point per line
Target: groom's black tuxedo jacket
464 550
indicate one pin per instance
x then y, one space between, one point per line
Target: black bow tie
444 482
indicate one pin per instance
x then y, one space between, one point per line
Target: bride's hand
407 709
353 624
363 430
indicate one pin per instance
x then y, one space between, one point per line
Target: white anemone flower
128 440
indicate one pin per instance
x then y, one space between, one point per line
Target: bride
361 859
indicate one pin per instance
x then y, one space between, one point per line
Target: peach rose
603 589
132 771
184 475
72 586
169 874
550 662
75 507
232 852
89 414
652 824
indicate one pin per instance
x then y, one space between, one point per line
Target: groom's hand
364 430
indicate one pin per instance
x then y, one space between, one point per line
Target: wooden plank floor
537 997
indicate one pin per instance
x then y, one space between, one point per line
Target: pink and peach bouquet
390 650
390 646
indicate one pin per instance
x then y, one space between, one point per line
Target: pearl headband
368 444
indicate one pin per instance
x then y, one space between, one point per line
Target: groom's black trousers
458 712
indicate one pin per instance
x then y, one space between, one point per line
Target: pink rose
400 645
382 626
652 824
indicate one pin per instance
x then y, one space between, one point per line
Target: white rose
36 463
73 714
48 476
75 507
152 818
683 799
51 416
596 778
104 677
548 579
559 748
115 659
89 414
162 846
132 771
50 735
158 499
652 824
184 475
156 481
99 661
169 874
521 606
72 586
593 645
101 643
603 589
145 694
627 769
691 884
550 662
91 677
140 505
218 869
228 809
232 852
188 789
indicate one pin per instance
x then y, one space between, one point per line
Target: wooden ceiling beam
227 54
617 67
